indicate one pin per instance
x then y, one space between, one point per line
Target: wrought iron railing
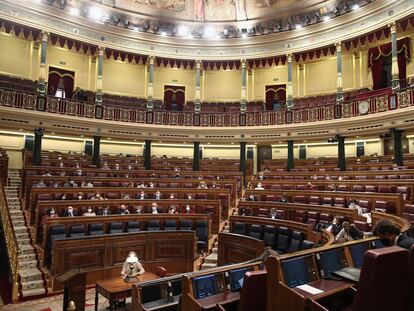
380 103
11 243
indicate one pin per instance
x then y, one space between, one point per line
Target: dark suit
102 212
405 242
66 214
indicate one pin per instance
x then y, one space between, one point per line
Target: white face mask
89 210
52 212
70 211
187 208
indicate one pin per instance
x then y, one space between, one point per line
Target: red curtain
174 97
275 93
377 55
55 76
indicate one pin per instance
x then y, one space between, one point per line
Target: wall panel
222 85
173 76
14 56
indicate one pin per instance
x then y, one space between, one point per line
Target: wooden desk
116 288
329 287
221 299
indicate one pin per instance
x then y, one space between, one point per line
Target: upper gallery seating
19 84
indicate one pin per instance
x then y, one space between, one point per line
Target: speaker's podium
74 282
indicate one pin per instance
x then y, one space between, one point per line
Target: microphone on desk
170 292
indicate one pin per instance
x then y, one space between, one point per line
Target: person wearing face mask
61 165
251 198
89 212
172 210
154 208
79 196
274 214
137 209
129 167
70 212
188 210
151 185
142 196
123 210
157 195
172 196
390 235
105 211
348 233
51 213
259 186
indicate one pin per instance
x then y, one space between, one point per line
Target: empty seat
312 218
358 188
405 192
370 188
381 206
327 201
201 227
95 229
115 227
153 225
283 239
295 241
262 212
269 235
170 224
384 189
307 244
56 233
340 202
185 224
342 188
239 228
300 187
300 216
270 198
314 200
325 218
76 231
256 231
299 199
282 213
132 226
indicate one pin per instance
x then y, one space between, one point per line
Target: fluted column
243 100
339 84
196 156
289 104
290 159
243 157
37 148
41 82
96 157
147 155
395 79
197 102
99 86
398 150
150 100
341 152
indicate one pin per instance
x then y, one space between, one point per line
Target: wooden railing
11 243
381 103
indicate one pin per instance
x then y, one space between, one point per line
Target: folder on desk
349 273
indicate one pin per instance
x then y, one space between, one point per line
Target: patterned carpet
54 303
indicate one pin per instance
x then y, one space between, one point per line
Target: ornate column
37 148
197 102
289 104
290 159
341 152
398 151
98 94
339 84
243 158
243 100
41 82
150 100
196 156
147 155
395 79
96 158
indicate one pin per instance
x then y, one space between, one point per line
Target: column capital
338 46
151 59
45 35
198 63
243 62
393 27
101 51
289 57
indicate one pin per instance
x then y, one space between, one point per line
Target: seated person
336 226
56 184
105 211
390 235
172 210
122 210
331 187
131 184
353 204
79 172
274 214
154 208
241 211
157 195
202 185
129 167
260 176
142 196
251 197
50 214
172 196
47 173
71 184
188 210
63 173
151 184
61 165
266 169
141 185
215 186
89 212
177 175
89 185
259 186
126 196
348 233
283 198
63 196
105 166
137 209
70 212
97 197
310 186
40 184
79 196
84 184
131 268
117 166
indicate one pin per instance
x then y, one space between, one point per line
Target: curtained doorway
275 97
174 97
60 82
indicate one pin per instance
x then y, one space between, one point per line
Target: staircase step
214 250
212 258
27 257
205 266
24 241
26 250
28 275
20 229
34 292
28 264
18 222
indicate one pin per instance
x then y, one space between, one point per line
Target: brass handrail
11 242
